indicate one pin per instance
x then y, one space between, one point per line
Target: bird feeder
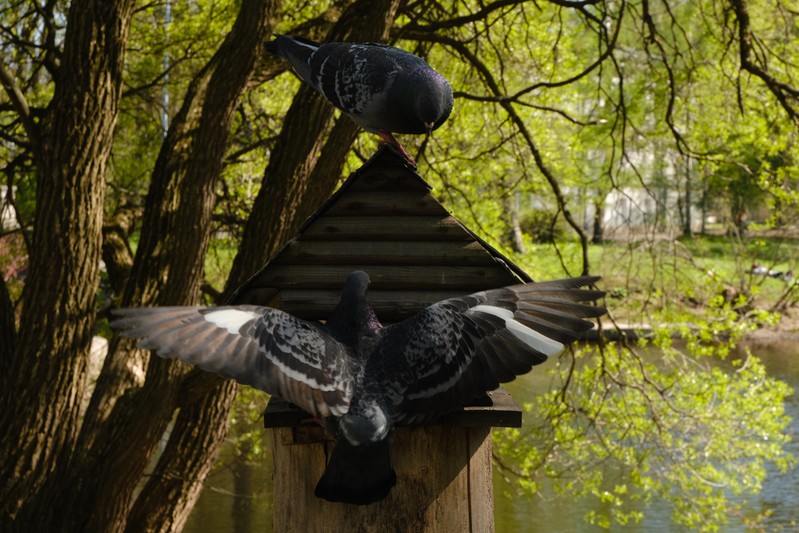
385 220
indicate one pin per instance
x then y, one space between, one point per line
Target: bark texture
126 414
73 143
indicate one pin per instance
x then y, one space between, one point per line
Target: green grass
687 275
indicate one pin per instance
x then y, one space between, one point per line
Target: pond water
237 496
780 494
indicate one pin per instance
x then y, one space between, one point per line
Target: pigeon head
434 106
355 286
424 101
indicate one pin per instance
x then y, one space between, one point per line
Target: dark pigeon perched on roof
383 89
360 378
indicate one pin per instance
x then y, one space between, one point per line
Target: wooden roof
383 220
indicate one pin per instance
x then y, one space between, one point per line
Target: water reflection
238 494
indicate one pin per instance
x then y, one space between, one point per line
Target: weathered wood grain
442 486
393 228
386 203
385 178
454 254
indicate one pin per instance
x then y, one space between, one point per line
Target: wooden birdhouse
384 220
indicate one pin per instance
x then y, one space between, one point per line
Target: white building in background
635 209
8 216
626 210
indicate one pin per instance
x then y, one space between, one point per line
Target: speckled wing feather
456 349
266 348
351 76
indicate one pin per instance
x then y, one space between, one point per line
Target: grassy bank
651 277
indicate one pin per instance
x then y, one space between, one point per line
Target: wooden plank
466 278
481 480
440 487
386 203
252 294
500 411
297 468
395 228
385 253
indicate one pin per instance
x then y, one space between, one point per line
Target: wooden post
444 481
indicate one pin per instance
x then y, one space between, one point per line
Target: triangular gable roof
384 220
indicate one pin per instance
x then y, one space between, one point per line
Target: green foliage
626 425
246 426
684 416
164 56
541 227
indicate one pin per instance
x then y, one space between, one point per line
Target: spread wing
457 349
258 346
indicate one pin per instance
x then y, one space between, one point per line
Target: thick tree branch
58 305
167 269
19 102
786 95
455 22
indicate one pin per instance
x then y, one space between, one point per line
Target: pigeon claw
389 139
314 420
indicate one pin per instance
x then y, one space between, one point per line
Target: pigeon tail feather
358 475
298 52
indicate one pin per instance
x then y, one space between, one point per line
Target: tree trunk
517 235
58 301
705 202
687 222
598 232
8 329
125 420
194 443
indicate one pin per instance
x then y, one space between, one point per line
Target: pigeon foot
389 139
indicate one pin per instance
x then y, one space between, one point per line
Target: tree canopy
160 141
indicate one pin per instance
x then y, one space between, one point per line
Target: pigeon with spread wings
362 378
383 89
